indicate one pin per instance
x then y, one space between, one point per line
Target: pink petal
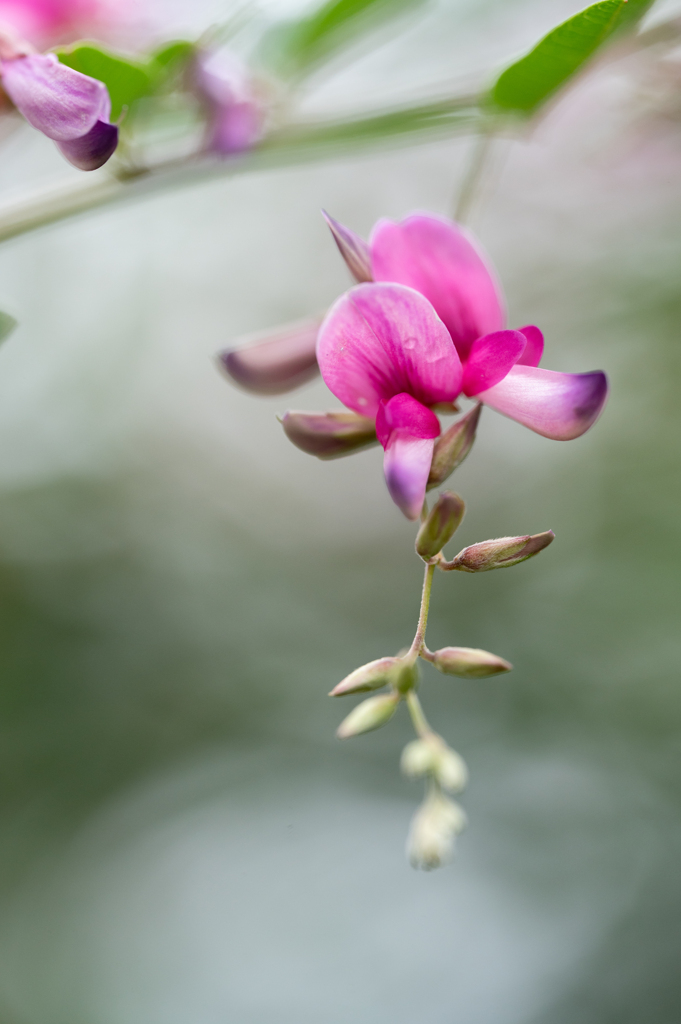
94 149
439 259
561 406
234 114
407 431
490 359
406 465
534 348
55 99
402 412
279 362
379 340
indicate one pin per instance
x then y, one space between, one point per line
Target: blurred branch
296 144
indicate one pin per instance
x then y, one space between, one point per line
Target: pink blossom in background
46 23
235 117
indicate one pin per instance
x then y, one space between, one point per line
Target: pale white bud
370 714
433 830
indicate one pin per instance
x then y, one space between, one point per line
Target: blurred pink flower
45 23
235 117
70 108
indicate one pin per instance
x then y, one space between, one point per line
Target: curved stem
419 639
419 720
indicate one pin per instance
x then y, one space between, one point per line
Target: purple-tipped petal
55 99
94 149
406 465
490 359
561 406
379 340
352 248
278 363
441 261
407 431
534 346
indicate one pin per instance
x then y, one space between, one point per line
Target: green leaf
525 85
294 48
7 325
173 54
127 80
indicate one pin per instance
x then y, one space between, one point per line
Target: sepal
329 435
352 248
453 447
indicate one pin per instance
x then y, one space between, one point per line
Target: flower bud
370 714
442 522
453 447
469 662
353 249
329 435
279 362
499 553
374 675
433 830
432 756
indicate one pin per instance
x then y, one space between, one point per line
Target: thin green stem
419 639
419 720
473 176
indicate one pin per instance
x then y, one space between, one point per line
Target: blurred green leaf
294 48
525 85
127 80
7 325
173 54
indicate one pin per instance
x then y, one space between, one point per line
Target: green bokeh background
184 841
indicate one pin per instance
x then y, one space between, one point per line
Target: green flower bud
433 830
432 756
383 672
329 435
370 714
453 447
418 759
469 662
442 522
451 771
499 553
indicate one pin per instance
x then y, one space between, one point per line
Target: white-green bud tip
433 831
433 757
370 714
469 662
383 672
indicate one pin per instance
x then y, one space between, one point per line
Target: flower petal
379 340
234 115
561 406
534 348
277 363
94 149
490 359
407 431
406 465
55 99
439 259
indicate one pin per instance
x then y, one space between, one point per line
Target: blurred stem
419 639
419 720
290 146
473 176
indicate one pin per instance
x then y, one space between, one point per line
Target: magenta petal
94 149
561 406
439 259
55 99
406 466
379 340
534 347
402 412
490 359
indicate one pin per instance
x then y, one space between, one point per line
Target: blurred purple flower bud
353 249
453 447
370 714
469 662
70 108
279 362
235 116
443 521
329 435
499 553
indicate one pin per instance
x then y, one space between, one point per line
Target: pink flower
500 367
71 108
48 22
234 114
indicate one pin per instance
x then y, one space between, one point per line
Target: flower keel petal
490 359
94 149
406 466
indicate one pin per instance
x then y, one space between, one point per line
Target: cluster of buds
439 819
